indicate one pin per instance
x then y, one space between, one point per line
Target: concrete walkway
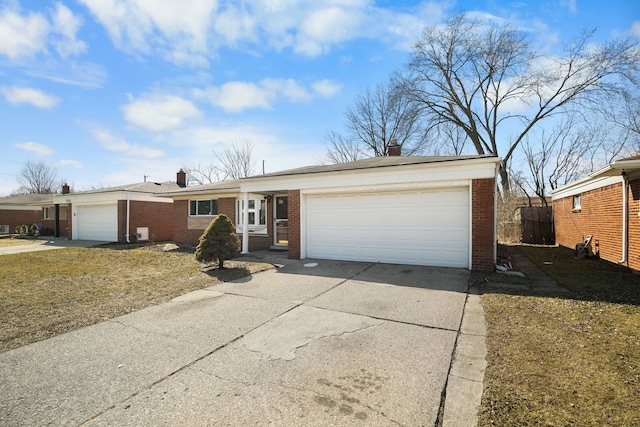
312 343
45 245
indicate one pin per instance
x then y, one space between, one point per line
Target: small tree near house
218 242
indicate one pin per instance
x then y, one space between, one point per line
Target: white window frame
46 213
577 202
197 214
258 212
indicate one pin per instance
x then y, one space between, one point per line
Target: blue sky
108 91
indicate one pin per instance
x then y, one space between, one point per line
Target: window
257 212
47 213
577 202
203 207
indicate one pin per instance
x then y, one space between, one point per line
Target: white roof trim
585 184
608 175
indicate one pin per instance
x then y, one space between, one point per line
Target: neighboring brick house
123 214
28 209
606 205
438 211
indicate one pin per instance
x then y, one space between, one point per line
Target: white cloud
191 32
71 163
83 74
34 147
277 147
22 35
635 28
177 30
25 95
571 5
116 144
28 34
326 88
160 112
66 24
237 96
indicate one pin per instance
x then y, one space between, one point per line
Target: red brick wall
601 216
15 218
483 236
294 224
156 216
227 206
181 232
28 217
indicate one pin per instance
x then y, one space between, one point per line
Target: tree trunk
221 263
504 179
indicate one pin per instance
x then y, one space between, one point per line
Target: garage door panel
97 222
426 227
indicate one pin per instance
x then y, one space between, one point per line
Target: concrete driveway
337 343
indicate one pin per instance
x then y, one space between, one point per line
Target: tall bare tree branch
38 178
490 81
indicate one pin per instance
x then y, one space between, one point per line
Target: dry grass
564 361
8 241
43 294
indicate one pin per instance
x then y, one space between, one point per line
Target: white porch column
245 222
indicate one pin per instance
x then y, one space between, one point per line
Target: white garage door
97 222
426 227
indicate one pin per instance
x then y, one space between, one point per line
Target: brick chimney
394 149
181 178
65 189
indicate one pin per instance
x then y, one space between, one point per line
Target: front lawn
43 294
564 360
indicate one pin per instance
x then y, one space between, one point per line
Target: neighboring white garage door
426 227
97 222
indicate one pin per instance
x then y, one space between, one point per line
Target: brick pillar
483 238
294 224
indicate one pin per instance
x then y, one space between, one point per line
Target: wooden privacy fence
537 225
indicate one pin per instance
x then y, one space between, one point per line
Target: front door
282 221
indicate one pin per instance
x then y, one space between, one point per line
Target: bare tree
488 80
237 161
341 149
377 117
562 154
449 140
37 178
199 174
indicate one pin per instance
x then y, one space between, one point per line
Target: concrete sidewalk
45 245
339 343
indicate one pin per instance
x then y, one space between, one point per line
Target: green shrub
22 230
34 230
218 242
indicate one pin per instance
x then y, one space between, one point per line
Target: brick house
30 209
121 214
438 211
606 205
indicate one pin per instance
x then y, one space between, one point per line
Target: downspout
128 210
245 223
625 217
